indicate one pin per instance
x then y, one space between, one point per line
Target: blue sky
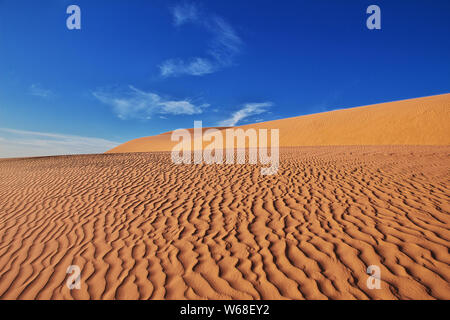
139 68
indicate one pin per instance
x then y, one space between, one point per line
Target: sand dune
421 121
161 142
141 227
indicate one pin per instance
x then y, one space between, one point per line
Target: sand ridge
141 227
420 121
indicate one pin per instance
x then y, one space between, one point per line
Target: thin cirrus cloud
21 143
248 110
38 91
184 12
194 67
132 103
221 52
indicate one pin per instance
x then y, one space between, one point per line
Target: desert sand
420 121
141 227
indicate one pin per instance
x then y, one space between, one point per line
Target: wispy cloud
194 67
21 143
184 13
226 44
248 110
38 91
130 102
223 47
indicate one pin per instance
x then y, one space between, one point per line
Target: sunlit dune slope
421 121
160 142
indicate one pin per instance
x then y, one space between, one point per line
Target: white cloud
131 103
223 47
249 109
226 44
184 13
37 90
195 67
21 143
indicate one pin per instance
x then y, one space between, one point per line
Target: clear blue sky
139 68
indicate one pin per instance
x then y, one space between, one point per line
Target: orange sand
141 227
421 121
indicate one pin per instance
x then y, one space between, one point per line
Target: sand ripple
141 227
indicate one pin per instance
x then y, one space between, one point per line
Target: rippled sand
141 227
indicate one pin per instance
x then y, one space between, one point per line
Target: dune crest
420 121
